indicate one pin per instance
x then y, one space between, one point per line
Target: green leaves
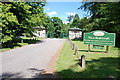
55 25
69 18
20 17
76 21
104 16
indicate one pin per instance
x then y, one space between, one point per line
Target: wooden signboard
99 39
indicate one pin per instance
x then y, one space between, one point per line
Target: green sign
99 38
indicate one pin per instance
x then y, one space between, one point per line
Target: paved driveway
28 61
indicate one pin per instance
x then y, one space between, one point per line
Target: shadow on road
11 75
37 75
97 68
39 42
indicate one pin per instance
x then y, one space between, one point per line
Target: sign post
99 39
89 48
107 49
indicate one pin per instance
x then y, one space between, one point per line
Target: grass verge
18 43
99 63
15 46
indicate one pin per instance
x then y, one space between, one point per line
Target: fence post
107 49
71 43
76 50
73 46
83 62
88 48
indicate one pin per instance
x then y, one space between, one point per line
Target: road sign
99 38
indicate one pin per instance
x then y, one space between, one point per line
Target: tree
9 22
55 25
37 13
20 17
58 24
84 24
69 18
48 24
76 21
65 28
104 16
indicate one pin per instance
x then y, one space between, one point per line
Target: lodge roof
75 29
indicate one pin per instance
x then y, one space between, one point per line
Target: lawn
18 43
99 63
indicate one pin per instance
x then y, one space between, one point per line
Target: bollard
83 62
73 45
76 50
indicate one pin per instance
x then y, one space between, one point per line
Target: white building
75 33
40 32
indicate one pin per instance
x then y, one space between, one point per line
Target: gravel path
28 61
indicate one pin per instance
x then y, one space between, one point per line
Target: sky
64 9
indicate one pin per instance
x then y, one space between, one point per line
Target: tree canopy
58 24
20 17
76 21
105 14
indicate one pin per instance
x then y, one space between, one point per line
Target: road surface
28 61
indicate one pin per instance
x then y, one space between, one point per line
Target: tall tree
37 13
84 24
1 34
76 21
69 18
20 17
9 22
48 24
58 24
105 16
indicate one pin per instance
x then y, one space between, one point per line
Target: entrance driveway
28 61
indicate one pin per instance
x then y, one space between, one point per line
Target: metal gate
63 35
52 35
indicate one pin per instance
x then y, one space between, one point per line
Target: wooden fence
74 47
82 59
